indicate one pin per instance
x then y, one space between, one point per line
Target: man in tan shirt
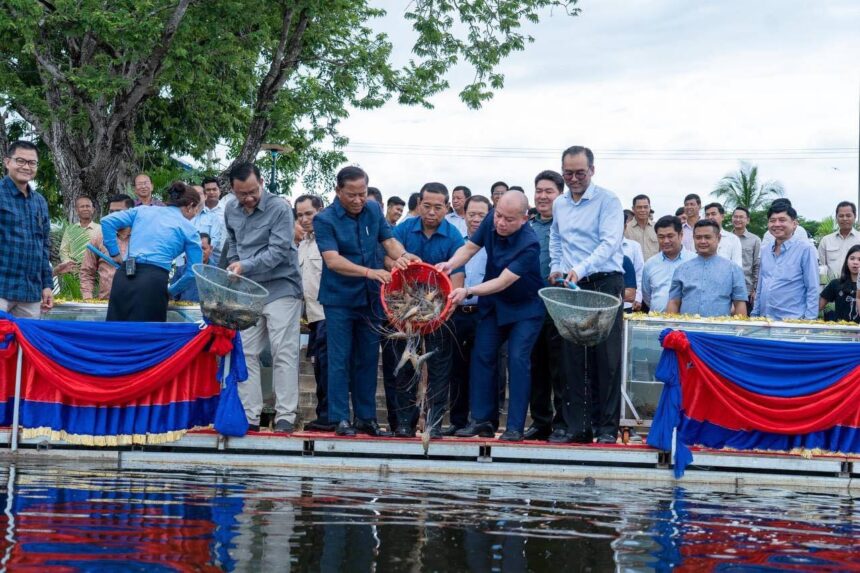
640 229
833 248
94 269
69 261
310 267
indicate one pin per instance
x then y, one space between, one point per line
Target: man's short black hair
376 194
639 198
210 179
206 236
718 206
242 171
433 187
20 144
576 150
628 215
707 223
679 211
516 188
466 191
497 183
693 197
742 208
413 201
847 204
316 201
395 200
351 173
668 221
129 202
478 199
782 201
550 175
780 206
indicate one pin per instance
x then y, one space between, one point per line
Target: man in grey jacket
260 247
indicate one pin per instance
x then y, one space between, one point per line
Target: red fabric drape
95 390
707 396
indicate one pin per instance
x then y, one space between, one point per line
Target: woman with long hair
158 235
843 291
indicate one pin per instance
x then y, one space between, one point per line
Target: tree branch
127 103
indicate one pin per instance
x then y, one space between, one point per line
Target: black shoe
319 426
481 429
344 428
284 427
371 428
607 439
512 436
536 433
253 427
450 430
565 437
404 432
435 433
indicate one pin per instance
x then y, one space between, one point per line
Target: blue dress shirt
475 270
585 236
437 248
355 238
158 236
707 286
25 244
520 254
657 278
211 222
541 228
788 283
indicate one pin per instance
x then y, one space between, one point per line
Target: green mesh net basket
581 316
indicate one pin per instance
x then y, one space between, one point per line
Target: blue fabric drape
230 419
775 367
105 348
668 415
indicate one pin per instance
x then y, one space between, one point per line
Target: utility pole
274 149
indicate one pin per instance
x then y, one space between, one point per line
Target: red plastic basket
418 273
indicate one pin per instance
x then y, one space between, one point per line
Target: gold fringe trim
103 441
805 453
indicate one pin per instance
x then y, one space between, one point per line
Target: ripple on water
80 518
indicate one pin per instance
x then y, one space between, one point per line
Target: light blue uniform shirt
211 222
158 236
475 270
657 278
707 286
788 283
585 236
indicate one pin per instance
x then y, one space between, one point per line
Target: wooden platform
307 452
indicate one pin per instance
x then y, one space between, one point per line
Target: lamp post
274 149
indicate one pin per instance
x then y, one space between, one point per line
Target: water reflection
73 518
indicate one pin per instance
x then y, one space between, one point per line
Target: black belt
468 308
599 276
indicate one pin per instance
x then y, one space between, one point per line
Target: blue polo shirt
437 248
356 238
520 254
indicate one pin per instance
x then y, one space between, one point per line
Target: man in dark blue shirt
510 310
347 233
434 239
26 280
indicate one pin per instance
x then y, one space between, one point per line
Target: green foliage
129 83
826 226
743 189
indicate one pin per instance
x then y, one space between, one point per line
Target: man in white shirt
834 247
730 246
457 216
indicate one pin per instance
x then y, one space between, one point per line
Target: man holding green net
73 245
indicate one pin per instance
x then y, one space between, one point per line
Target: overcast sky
670 95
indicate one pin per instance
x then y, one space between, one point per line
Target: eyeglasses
21 162
579 174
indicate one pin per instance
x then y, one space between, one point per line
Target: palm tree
742 189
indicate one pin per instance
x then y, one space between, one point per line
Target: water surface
87 518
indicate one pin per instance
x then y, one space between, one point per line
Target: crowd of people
327 263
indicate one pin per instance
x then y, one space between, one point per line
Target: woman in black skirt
158 235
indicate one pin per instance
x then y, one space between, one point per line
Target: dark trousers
483 394
464 325
548 385
353 357
602 363
438 380
390 357
141 298
318 349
